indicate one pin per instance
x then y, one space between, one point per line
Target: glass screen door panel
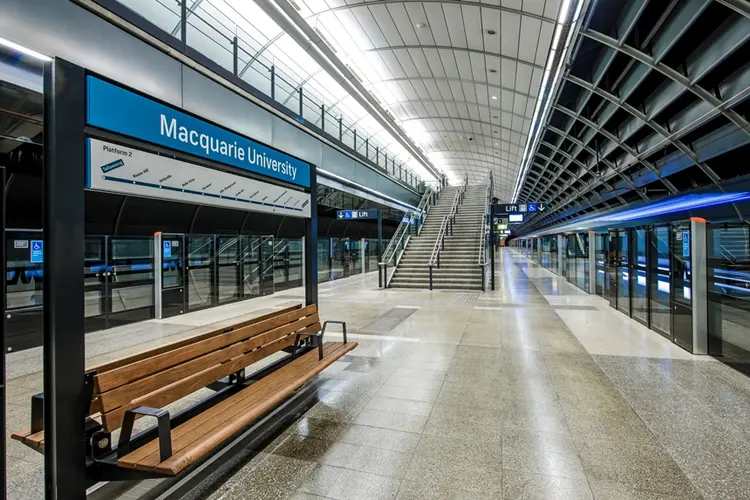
251 266
613 268
173 275
131 283
601 263
623 272
659 281
639 269
95 275
682 304
200 272
267 285
228 268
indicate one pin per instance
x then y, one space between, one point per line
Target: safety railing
400 239
221 34
446 227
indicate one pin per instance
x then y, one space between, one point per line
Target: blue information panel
37 251
113 108
167 248
686 244
371 213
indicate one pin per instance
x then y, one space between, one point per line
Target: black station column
311 242
64 358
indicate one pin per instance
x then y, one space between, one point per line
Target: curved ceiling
461 78
655 101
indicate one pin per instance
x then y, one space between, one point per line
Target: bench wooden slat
111 365
126 393
149 365
168 394
188 432
243 409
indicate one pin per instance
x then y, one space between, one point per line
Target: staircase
458 261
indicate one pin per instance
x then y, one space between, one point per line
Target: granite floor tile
636 466
420 374
523 458
266 477
426 395
624 425
438 448
405 406
610 490
345 484
472 395
437 474
472 424
378 437
389 420
535 415
413 382
524 486
366 459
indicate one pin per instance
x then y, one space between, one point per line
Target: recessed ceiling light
494 97
493 70
420 25
495 116
491 32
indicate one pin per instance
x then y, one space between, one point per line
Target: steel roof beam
457 49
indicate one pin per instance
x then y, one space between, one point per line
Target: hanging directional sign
371 213
518 208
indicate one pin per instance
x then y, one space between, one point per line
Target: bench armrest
319 337
165 430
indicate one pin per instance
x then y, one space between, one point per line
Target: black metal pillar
65 403
380 235
3 426
492 250
311 242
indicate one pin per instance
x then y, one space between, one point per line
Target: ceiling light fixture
24 50
420 25
491 32
493 70
494 97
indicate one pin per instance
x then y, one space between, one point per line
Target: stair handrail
445 226
400 238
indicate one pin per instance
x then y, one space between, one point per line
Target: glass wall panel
639 300
601 263
324 260
228 263
659 277
251 265
623 276
337 259
200 271
729 294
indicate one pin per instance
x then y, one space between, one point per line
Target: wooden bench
142 385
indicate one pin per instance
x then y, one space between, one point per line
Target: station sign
518 208
118 110
125 170
372 213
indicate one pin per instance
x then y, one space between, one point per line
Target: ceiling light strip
555 63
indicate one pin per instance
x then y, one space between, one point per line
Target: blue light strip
670 206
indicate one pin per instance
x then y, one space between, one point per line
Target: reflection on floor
535 390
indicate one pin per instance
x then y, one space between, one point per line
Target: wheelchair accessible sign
37 252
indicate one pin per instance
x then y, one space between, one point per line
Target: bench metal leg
165 430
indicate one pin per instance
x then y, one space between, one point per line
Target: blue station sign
371 213
118 110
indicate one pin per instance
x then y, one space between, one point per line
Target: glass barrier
215 35
729 294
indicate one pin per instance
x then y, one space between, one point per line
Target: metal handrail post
430 277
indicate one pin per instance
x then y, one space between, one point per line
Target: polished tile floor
533 391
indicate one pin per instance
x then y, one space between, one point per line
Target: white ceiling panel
431 64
